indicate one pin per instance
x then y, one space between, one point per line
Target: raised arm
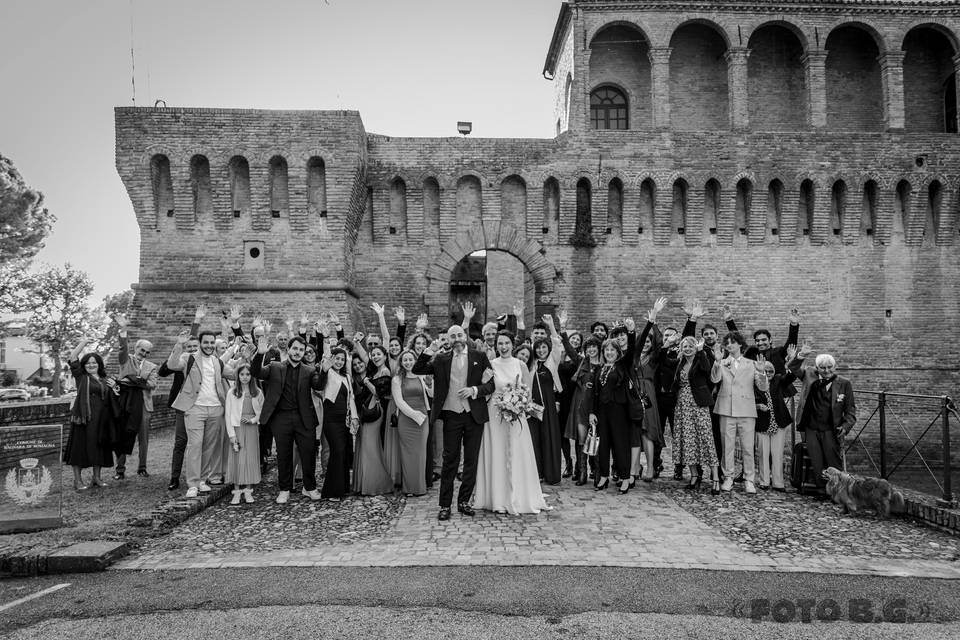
175 359
382 321
694 311
469 310
124 354
424 364
257 370
793 331
75 353
401 316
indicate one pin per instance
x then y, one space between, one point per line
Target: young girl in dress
242 415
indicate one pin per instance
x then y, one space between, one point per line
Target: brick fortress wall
819 205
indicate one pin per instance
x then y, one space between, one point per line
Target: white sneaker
236 497
727 484
248 496
204 488
313 494
282 497
750 487
192 492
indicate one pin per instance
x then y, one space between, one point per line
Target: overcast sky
410 68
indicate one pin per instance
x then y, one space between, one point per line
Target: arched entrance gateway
457 275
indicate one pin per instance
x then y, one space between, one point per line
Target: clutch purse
536 411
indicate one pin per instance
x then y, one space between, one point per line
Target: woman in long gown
647 435
410 396
91 418
370 475
507 479
545 430
578 423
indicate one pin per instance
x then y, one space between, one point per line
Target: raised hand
758 363
335 319
235 313
726 312
182 337
660 304
718 352
518 309
262 344
469 310
791 352
401 315
562 319
422 322
267 328
548 320
289 323
258 321
795 315
377 308
630 324
693 309
435 345
304 319
200 313
700 344
326 362
358 337
805 349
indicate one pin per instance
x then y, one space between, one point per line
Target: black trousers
287 428
823 447
266 441
459 429
336 482
717 435
667 404
613 427
179 445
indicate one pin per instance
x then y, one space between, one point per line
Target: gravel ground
789 524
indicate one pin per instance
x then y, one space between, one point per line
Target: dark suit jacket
700 385
439 367
776 355
273 374
843 407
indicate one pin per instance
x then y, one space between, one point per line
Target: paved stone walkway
645 528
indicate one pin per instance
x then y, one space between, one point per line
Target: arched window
608 109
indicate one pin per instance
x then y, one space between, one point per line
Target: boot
236 496
678 472
248 496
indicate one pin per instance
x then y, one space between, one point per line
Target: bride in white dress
507 477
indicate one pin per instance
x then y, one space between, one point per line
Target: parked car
14 394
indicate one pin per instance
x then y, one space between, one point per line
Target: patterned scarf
81 406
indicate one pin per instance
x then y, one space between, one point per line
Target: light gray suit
737 407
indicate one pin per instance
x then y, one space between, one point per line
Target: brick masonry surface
808 165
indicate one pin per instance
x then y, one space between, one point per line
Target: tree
24 221
117 303
59 315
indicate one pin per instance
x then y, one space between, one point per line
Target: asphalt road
479 602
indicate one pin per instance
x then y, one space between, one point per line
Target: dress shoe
313 494
567 473
283 497
444 514
174 485
764 486
204 488
118 475
727 484
739 477
143 473
780 489
192 492
602 484
693 486
749 487
625 486
466 509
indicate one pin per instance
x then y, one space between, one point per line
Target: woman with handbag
370 476
609 409
410 397
578 423
693 430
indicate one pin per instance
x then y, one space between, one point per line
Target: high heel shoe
602 484
693 486
625 486
715 491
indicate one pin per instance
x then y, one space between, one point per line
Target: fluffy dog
854 492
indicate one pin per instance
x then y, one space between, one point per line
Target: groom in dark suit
460 400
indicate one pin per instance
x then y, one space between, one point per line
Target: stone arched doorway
491 236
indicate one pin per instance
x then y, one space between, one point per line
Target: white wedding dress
507 478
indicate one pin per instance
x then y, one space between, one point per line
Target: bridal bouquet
514 402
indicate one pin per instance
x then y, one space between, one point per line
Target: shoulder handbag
591 444
370 414
636 399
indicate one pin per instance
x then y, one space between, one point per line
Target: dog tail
897 505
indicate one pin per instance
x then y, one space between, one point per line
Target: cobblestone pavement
655 525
